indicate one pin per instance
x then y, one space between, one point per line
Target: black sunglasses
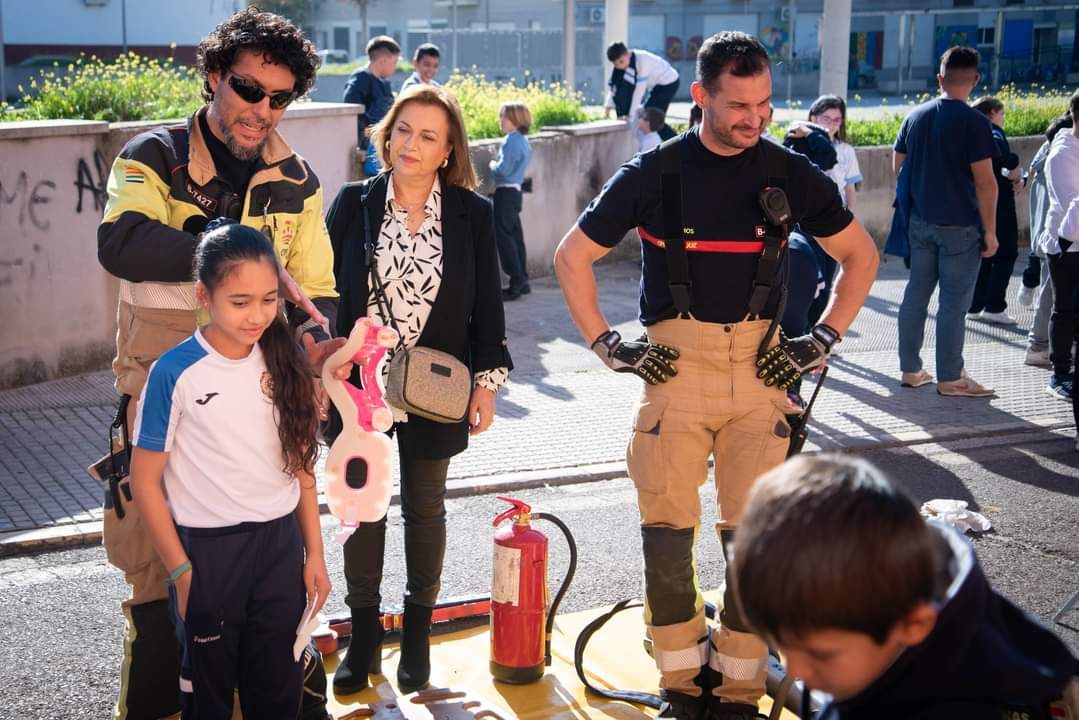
253 93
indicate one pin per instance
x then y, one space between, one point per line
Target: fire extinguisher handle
549 630
519 508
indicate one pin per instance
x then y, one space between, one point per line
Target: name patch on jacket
203 200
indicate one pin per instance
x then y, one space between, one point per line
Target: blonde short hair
518 114
459 170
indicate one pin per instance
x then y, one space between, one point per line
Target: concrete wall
59 305
877 192
568 168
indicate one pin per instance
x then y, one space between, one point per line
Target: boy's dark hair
695 115
381 45
271 35
223 246
426 50
831 102
987 104
616 50
958 58
1063 122
654 117
731 52
828 543
1073 106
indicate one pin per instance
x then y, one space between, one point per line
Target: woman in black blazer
435 255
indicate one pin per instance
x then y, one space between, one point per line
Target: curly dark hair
262 32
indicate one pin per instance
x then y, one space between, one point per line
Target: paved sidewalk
564 417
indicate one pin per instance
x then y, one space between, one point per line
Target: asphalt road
60 648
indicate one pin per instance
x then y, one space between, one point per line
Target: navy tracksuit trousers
247 596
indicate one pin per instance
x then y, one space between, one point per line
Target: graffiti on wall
26 201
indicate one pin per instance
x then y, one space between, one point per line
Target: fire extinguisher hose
549 629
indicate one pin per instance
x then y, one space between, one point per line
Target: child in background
988 302
830 112
426 60
889 614
695 115
222 473
652 119
508 173
370 86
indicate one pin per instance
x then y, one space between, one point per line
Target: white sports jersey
215 418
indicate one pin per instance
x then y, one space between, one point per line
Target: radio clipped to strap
777 216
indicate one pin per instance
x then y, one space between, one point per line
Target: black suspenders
674 230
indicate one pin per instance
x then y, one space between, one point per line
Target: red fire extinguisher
521 622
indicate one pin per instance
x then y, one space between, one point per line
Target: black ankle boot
364 655
414 669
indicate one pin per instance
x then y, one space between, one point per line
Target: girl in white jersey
222 472
830 112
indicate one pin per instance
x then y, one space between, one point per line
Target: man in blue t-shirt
703 396
948 149
370 86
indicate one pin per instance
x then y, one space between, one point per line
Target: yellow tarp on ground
459 661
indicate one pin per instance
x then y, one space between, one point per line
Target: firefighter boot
414 669
364 656
681 706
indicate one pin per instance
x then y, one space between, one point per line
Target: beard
726 135
240 152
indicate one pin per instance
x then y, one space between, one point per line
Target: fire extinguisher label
506 582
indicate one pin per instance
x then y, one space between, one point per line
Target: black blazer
467 318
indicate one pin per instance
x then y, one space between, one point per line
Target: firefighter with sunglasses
712 208
226 161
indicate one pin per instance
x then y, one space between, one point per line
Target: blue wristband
179 571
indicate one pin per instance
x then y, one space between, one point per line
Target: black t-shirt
237 173
720 203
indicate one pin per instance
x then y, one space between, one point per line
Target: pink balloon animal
366 419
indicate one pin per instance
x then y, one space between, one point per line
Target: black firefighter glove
793 357
654 363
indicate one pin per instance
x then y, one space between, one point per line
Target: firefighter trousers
714 407
150 669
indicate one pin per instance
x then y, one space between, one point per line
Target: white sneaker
1037 358
1026 296
974 316
1000 318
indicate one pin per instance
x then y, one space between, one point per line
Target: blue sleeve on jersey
155 408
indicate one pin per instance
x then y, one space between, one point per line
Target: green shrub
130 88
1027 112
550 104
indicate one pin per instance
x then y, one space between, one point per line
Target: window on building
986 35
963 3
340 38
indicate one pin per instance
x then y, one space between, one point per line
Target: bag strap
681 287
371 260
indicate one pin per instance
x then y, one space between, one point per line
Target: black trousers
1064 273
660 97
423 510
510 237
994 275
247 596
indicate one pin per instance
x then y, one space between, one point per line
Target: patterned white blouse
410 268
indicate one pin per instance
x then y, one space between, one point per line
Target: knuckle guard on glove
650 362
785 363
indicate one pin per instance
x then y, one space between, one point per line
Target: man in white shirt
639 79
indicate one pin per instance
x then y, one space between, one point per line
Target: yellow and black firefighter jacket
162 191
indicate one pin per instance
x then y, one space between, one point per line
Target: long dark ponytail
222 248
